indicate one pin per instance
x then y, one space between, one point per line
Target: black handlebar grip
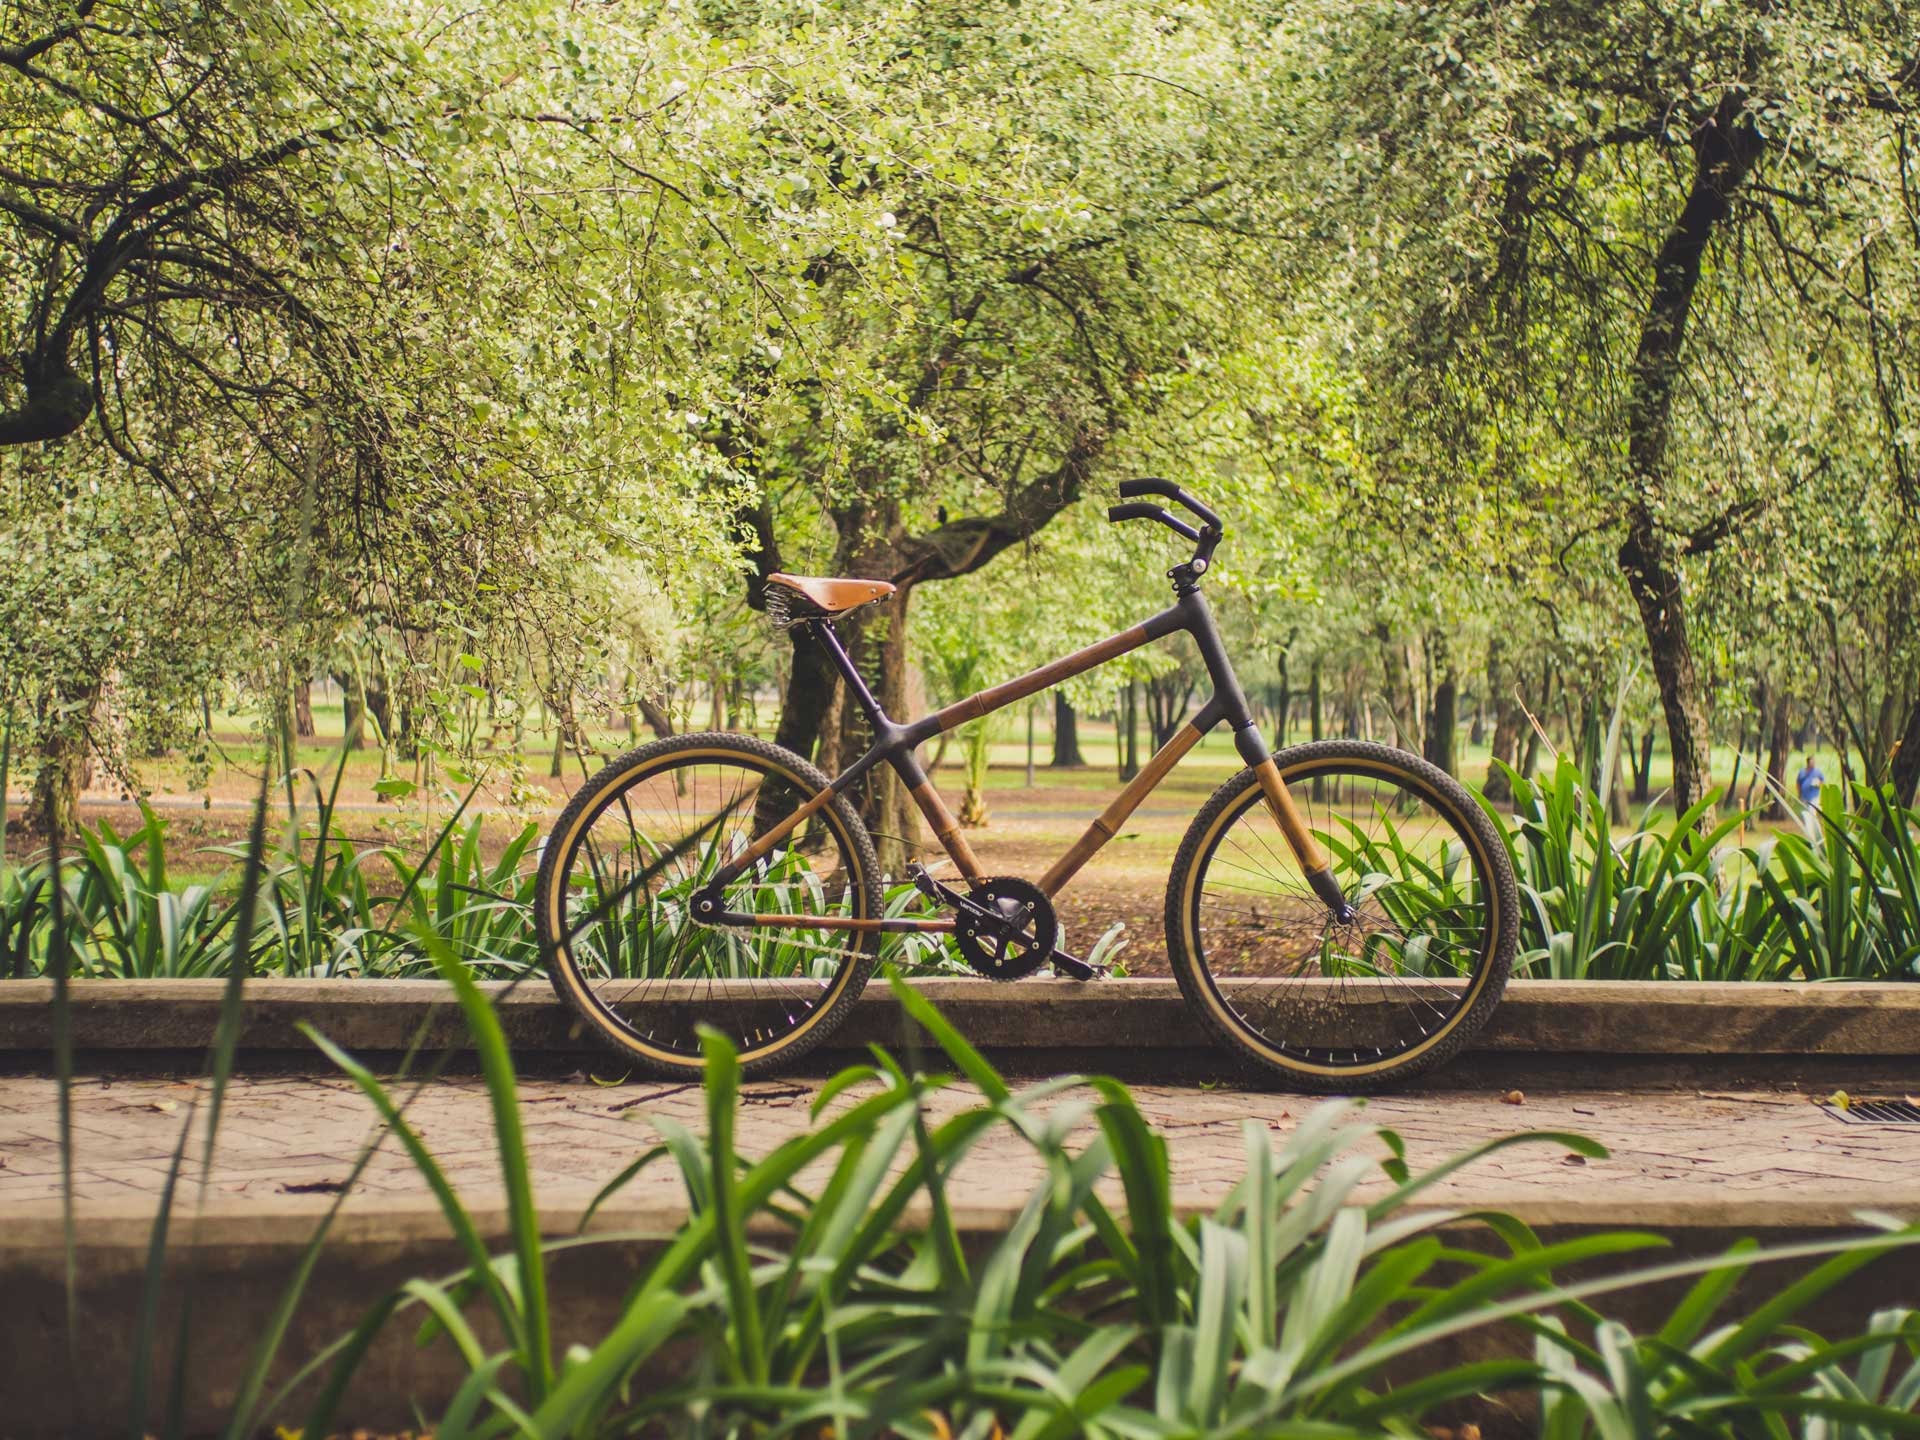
1141 510
1166 489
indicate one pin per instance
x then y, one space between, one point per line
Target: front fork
1307 850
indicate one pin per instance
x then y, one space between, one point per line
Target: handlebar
1205 538
1143 511
1167 490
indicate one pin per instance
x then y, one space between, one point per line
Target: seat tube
824 634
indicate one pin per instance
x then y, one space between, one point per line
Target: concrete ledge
1060 1017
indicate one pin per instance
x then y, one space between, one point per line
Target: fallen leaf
1574 1160
1840 1100
1514 1097
165 1107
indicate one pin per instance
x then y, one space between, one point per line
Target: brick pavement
1760 1158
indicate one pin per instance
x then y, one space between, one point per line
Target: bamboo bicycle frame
895 745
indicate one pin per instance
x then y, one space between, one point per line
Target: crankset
1005 927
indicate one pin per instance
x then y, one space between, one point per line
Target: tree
1039 298
1591 214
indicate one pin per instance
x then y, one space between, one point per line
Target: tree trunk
1066 734
1725 151
303 709
54 804
658 718
1655 582
811 684
876 639
1506 726
1906 756
1395 689
1442 738
353 709
1129 749
1531 757
377 703
1617 792
1317 720
1283 700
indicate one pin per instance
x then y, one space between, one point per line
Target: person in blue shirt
1810 779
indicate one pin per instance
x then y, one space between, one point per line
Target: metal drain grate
1874 1112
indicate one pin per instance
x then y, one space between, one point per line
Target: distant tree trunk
1442 739
1066 734
379 703
1030 710
658 719
1906 757
54 804
353 707
1617 792
303 709
1130 751
1283 698
1643 772
1507 719
1167 697
876 640
1396 688
1531 757
1778 741
1316 719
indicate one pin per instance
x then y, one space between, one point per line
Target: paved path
1689 1158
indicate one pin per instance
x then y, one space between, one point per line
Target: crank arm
1071 966
945 894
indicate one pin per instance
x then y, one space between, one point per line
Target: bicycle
1341 913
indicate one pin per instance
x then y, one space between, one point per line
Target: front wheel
1344 1003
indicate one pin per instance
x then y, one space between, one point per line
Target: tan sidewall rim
1223 1014
569 972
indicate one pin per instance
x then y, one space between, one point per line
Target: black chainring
1009 931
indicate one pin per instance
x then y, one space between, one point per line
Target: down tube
1108 822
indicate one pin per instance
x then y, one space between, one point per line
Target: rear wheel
616 886
1354 1003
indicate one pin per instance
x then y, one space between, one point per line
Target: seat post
824 634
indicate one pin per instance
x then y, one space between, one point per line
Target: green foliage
1671 900
332 907
1679 901
796 1295
1848 905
